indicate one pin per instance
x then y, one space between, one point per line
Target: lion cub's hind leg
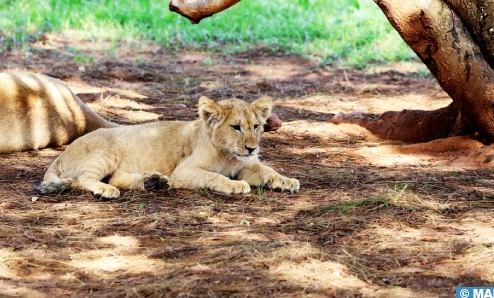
90 172
150 180
92 182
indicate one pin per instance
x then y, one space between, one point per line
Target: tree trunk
479 19
439 37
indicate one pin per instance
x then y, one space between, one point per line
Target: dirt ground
372 218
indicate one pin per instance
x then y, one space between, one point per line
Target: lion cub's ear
262 108
209 111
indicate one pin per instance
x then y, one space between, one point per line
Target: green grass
354 32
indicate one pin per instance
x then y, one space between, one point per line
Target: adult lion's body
222 144
37 111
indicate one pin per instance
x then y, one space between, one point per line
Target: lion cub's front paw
233 187
156 181
106 191
283 183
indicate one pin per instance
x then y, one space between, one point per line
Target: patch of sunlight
122 92
387 156
364 103
300 204
408 199
399 236
118 102
408 67
299 265
294 251
100 264
273 71
443 248
326 131
9 289
454 153
48 152
315 274
476 261
119 241
481 233
16 267
192 57
131 116
267 220
82 38
212 85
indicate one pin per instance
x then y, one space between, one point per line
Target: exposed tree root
413 126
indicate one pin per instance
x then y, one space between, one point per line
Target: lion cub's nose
250 149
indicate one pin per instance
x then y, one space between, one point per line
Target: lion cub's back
156 146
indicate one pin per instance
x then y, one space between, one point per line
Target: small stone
273 123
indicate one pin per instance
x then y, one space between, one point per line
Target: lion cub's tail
48 187
52 182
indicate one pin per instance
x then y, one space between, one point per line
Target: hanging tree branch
196 10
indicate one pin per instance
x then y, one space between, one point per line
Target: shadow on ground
358 227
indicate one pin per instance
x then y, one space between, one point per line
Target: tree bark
441 40
478 16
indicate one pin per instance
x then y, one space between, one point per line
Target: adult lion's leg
260 175
150 180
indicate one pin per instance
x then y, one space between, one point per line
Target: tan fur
37 111
207 152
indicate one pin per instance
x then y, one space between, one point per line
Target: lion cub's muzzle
249 154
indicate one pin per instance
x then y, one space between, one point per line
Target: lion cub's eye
236 127
256 126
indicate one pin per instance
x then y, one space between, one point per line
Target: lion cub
218 150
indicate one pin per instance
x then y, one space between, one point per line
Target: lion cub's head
234 125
